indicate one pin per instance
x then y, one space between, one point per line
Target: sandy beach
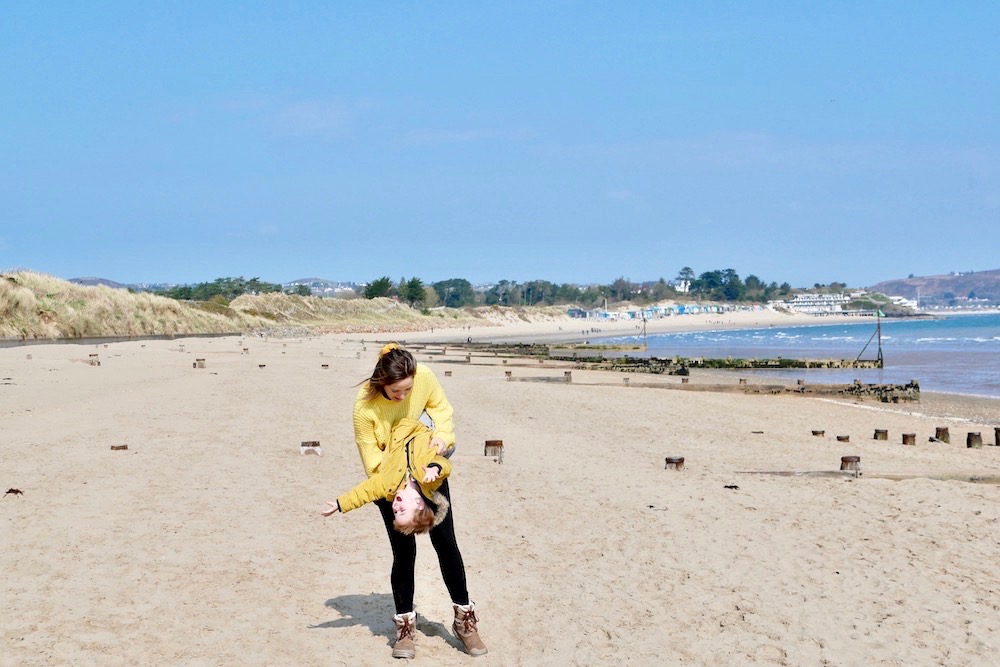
202 543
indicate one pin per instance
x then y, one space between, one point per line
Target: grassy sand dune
34 305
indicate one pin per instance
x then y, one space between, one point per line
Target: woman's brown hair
394 364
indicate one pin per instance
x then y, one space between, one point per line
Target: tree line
723 285
717 285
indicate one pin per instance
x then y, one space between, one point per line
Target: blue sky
566 141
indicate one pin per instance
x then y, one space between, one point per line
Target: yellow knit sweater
375 418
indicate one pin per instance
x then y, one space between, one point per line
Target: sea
955 354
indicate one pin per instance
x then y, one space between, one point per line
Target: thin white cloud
620 195
329 120
456 136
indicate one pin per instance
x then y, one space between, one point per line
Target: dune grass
34 305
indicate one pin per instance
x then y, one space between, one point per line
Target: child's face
397 391
405 504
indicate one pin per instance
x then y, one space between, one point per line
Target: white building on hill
817 304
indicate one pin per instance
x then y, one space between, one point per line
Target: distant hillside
976 286
94 282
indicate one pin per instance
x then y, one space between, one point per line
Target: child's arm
371 489
438 468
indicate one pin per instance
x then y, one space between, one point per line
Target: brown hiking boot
405 634
465 627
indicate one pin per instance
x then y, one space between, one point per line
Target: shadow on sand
374 611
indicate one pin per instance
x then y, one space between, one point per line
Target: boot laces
469 620
407 629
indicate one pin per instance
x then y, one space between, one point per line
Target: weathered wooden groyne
537 356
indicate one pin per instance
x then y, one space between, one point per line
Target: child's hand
334 508
439 444
431 473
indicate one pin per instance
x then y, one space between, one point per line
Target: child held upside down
410 474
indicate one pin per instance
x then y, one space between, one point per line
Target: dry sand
202 544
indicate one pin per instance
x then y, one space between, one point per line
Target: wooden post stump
851 463
508 375
843 438
881 434
119 448
974 441
673 463
310 446
909 438
941 433
996 436
494 448
568 375
819 434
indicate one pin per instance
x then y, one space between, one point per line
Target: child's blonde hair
423 520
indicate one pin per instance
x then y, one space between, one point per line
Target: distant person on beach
398 392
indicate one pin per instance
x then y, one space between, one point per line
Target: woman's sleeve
364 437
439 410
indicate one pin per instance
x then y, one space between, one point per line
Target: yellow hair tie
386 349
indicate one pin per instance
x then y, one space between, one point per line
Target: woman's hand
334 508
439 444
431 473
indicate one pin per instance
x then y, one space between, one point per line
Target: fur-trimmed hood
438 504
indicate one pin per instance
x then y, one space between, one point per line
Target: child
410 474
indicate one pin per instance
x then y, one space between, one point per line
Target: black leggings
404 557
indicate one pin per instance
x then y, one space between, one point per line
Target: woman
400 388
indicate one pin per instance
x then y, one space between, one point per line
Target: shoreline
572 330
934 404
